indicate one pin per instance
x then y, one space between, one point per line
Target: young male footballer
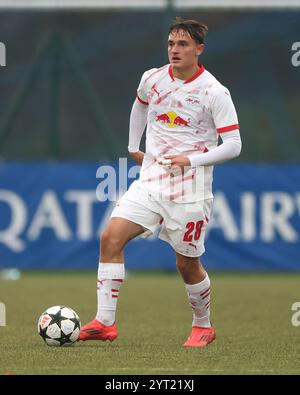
185 109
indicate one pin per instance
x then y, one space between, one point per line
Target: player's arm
227 126
137 124
230 149
226 121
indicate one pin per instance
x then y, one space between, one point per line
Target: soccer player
185 109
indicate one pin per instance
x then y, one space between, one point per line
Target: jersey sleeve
142 89
223 111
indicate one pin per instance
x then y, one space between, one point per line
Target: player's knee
182 264
110 243
186 264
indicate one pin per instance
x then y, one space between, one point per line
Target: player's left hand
171 161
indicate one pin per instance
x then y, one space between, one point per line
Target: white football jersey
184 117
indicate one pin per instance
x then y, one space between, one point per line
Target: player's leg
132 216
197 284
190 268
115 236
185 226
111 273
111 270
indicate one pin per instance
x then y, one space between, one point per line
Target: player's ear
199 49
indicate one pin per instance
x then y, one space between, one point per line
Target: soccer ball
59 326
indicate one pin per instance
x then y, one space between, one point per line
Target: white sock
110 278
199 299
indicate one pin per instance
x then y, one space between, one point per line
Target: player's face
183 51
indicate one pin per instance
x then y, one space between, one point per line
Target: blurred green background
71 78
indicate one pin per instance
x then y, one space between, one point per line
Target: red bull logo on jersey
172 120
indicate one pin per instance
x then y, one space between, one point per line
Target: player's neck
185 73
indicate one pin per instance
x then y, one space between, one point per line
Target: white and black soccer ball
59 326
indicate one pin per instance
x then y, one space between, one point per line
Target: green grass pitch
251 313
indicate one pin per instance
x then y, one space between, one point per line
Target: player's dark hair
195 29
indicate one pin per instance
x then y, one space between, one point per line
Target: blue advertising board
51 215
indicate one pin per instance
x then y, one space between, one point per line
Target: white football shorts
183 225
